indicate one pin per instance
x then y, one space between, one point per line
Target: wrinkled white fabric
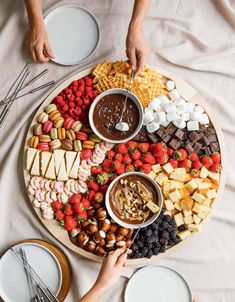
194 40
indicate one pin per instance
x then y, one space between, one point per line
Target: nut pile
131 199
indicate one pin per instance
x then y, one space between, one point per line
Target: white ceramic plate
13 281
73 33
157 283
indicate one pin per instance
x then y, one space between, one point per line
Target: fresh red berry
170 151
207 161
96 170
91 194
103 189
163 159
122 149
152 148
86 203
57 205
216 168
216 158
81 216
148 158
77 207
85 154
186 163
59 215
99 197
137 163
131 145
180 154
69 223
146 168
195 173
118 157
130 168
173 162
93 185
102 178
127 159
116 164
68 209
107 165
143 147
193 156
197 164
121 169
75 198
135 154
110 154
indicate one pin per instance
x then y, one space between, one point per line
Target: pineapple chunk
181 171
211 194
184 234
187 213
187 203
198 197
204 185
161 177
174 195
196 219
153 207
169 204
168 168
184 192
188 219
157 168
176 184
188 177
214 178
179 219
191 185
207 202
176 176
177 205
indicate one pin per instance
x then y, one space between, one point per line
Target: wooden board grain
189 94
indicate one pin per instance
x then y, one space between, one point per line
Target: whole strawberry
102 178
131 145
180 154
69 223
143 147
207 161
107 165
130 168
148 158
85 154
146 168
122 149
127 159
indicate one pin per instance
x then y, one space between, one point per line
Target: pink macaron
68 122
47 126
43 147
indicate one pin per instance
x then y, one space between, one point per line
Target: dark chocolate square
153 138
167 139
194 136
189 148
204 141
136 138
171 128
212 138
174 144
179 134
143 138
197 146
210 130
214 147
162 132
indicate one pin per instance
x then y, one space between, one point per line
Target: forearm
95 294
140 11
34 12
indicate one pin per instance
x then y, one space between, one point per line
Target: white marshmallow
164 99
180 102
196 116
170 85
181 109
199 109
152 127
155 104
192 125
147 109
172 116
190 106
160 117
170 107
185 116
204 119
165 124
174 94
180 123
148 116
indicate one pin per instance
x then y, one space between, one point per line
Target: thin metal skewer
6 109
28 278
37 77
32 272
31 91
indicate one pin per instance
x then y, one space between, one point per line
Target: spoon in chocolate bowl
122 126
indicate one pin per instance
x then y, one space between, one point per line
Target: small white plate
13 281
157 283
73 32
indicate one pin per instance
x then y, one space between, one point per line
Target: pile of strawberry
75 100
72 213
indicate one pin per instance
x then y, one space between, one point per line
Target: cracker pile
146 86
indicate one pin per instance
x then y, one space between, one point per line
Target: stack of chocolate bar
203 142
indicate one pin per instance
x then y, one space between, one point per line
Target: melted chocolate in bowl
118 203
107 113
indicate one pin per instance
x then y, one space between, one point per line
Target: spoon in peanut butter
122 126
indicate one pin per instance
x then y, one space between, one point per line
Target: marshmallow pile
162 110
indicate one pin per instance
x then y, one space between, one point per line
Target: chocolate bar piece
171 128
179 134
189 148
214 147
143 130
153 138
136 138
162 132
212 138
194 136
167 139
205 151
210 130
143 138
174 144
197 146
204 141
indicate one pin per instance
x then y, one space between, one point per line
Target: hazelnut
99 235
121 244
91 246
92 227
122 231
109 246
96 206
101 214
91 213
119 238
102 242
100 251
110 237
75 232
104 225
83 238
113 227
131 231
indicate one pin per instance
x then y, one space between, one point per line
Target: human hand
38 44
111 269
137 49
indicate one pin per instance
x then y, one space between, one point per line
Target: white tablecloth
194 40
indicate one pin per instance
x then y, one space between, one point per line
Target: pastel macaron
54 115
82 136
34 141
37 129
77 145
77 126
55 144
44 138
58 122
51 107
47 126
43 147
43 117
68 122
70 135
53 133
67 145
61 133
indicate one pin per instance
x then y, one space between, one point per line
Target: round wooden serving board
189 94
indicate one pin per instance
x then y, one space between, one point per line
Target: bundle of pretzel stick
147 85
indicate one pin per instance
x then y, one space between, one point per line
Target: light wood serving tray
189 94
